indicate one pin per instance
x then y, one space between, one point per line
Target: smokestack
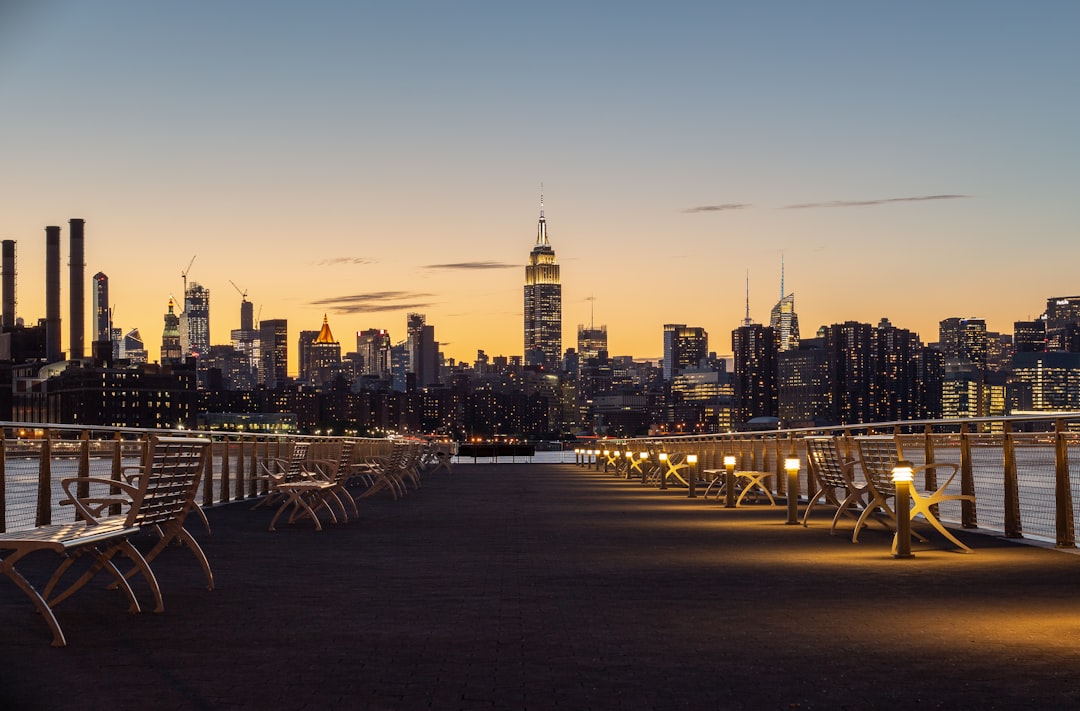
8 296
52 294
77 267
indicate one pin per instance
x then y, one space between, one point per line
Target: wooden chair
337 472
294 484
834 473
160 500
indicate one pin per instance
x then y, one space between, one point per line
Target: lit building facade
543 301
590 341
171 351
755 349
324 356
373 347
273 352
685 347
785 323
195 325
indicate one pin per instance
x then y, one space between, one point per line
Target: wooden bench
160 500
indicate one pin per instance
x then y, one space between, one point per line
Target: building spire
782 294
541 227
747 321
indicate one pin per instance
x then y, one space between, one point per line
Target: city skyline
912 163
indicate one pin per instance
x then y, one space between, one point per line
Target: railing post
929 472
82 490
208 477
969 517
44 493
240 468
1063 513
117 473
226 473
1011 495
3 481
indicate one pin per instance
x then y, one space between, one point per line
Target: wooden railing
1018 468
35 457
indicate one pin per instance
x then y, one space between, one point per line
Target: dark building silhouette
755 348
77 289
7 300
53 350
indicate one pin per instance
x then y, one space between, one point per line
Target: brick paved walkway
544 587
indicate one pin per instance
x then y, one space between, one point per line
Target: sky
360 160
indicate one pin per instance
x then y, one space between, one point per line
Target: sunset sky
914 161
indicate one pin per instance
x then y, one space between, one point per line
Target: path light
729 481
691 476
791 466
902 475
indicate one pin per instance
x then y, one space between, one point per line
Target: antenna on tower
747 321
541 227
782 294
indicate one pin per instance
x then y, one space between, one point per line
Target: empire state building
543 302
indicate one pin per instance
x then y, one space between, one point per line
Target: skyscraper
754 348
196 316
324 356
783 319
684 347
101 308
273 352
590 341
785 322
373 345
171 352
423 351
543 301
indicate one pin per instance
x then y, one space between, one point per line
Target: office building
755 348
543 302
273 352
685 347
195 320
964 339
324 357
590 341
100 308
171 350
423 351
373 347
785 323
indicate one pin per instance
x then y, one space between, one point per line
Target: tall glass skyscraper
195 339
100 296
543 301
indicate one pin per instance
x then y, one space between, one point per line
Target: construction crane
183 274
243 294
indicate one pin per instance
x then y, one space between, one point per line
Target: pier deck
548 586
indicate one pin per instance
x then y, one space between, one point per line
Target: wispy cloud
376 301
336 261
719 208
864 203
473 265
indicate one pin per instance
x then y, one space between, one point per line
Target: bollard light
791 466
691 476
729 481
902 475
